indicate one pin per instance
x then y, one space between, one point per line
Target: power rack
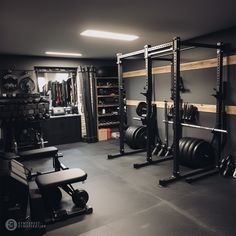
177 126
171 52
148 53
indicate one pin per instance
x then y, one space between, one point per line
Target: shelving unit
107 102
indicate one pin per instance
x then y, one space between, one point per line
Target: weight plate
195 153
185 156
80 198
130 136
182 143
135 144
27 85
140 138
190 151
203 155
141 108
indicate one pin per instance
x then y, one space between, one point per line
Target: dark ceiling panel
32 27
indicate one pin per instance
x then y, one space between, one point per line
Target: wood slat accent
203 64
231 110
134 73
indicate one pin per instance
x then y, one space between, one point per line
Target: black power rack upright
218 131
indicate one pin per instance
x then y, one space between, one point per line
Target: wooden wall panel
231 110
203 64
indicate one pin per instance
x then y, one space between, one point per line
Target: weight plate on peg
141 108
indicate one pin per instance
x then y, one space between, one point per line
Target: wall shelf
108 124
105 86
107 114
104 78
106 96
108 105
109 108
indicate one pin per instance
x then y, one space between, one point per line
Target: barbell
198 127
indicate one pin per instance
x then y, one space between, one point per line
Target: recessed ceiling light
64 54
108 35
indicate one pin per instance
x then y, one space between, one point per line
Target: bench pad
60 178
40 152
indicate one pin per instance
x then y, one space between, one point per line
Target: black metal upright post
121 103
176 111
148 76
150 110
121 114
177 128
219 117
219 97
166 124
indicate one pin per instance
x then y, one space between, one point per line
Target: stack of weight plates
135 137
195 153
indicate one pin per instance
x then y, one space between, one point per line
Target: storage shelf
108 124
109 99
116 78
108 105
105 86
107 96
107 114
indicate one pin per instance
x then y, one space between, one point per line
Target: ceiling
30 27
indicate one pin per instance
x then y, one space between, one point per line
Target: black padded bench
60 178
50 186
47 152
38 153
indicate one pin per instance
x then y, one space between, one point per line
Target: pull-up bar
201 45
142 51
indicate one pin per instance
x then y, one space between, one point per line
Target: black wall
27 63
200 82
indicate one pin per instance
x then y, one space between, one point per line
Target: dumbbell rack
18 111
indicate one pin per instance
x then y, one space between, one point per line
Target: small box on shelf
104 134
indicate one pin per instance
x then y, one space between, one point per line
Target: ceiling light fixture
109 35
64 54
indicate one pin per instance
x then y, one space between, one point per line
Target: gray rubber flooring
129 202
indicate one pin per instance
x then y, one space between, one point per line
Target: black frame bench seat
38 153
60 178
